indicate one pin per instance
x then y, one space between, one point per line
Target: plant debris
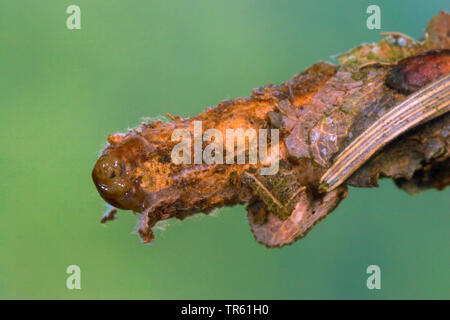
318 113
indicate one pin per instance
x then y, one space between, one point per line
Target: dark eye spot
164 159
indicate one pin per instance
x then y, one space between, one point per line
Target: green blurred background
62 92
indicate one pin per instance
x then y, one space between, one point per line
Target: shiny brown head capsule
109 177
113 179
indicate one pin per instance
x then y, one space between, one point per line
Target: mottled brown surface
413 73
437 33
318 113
